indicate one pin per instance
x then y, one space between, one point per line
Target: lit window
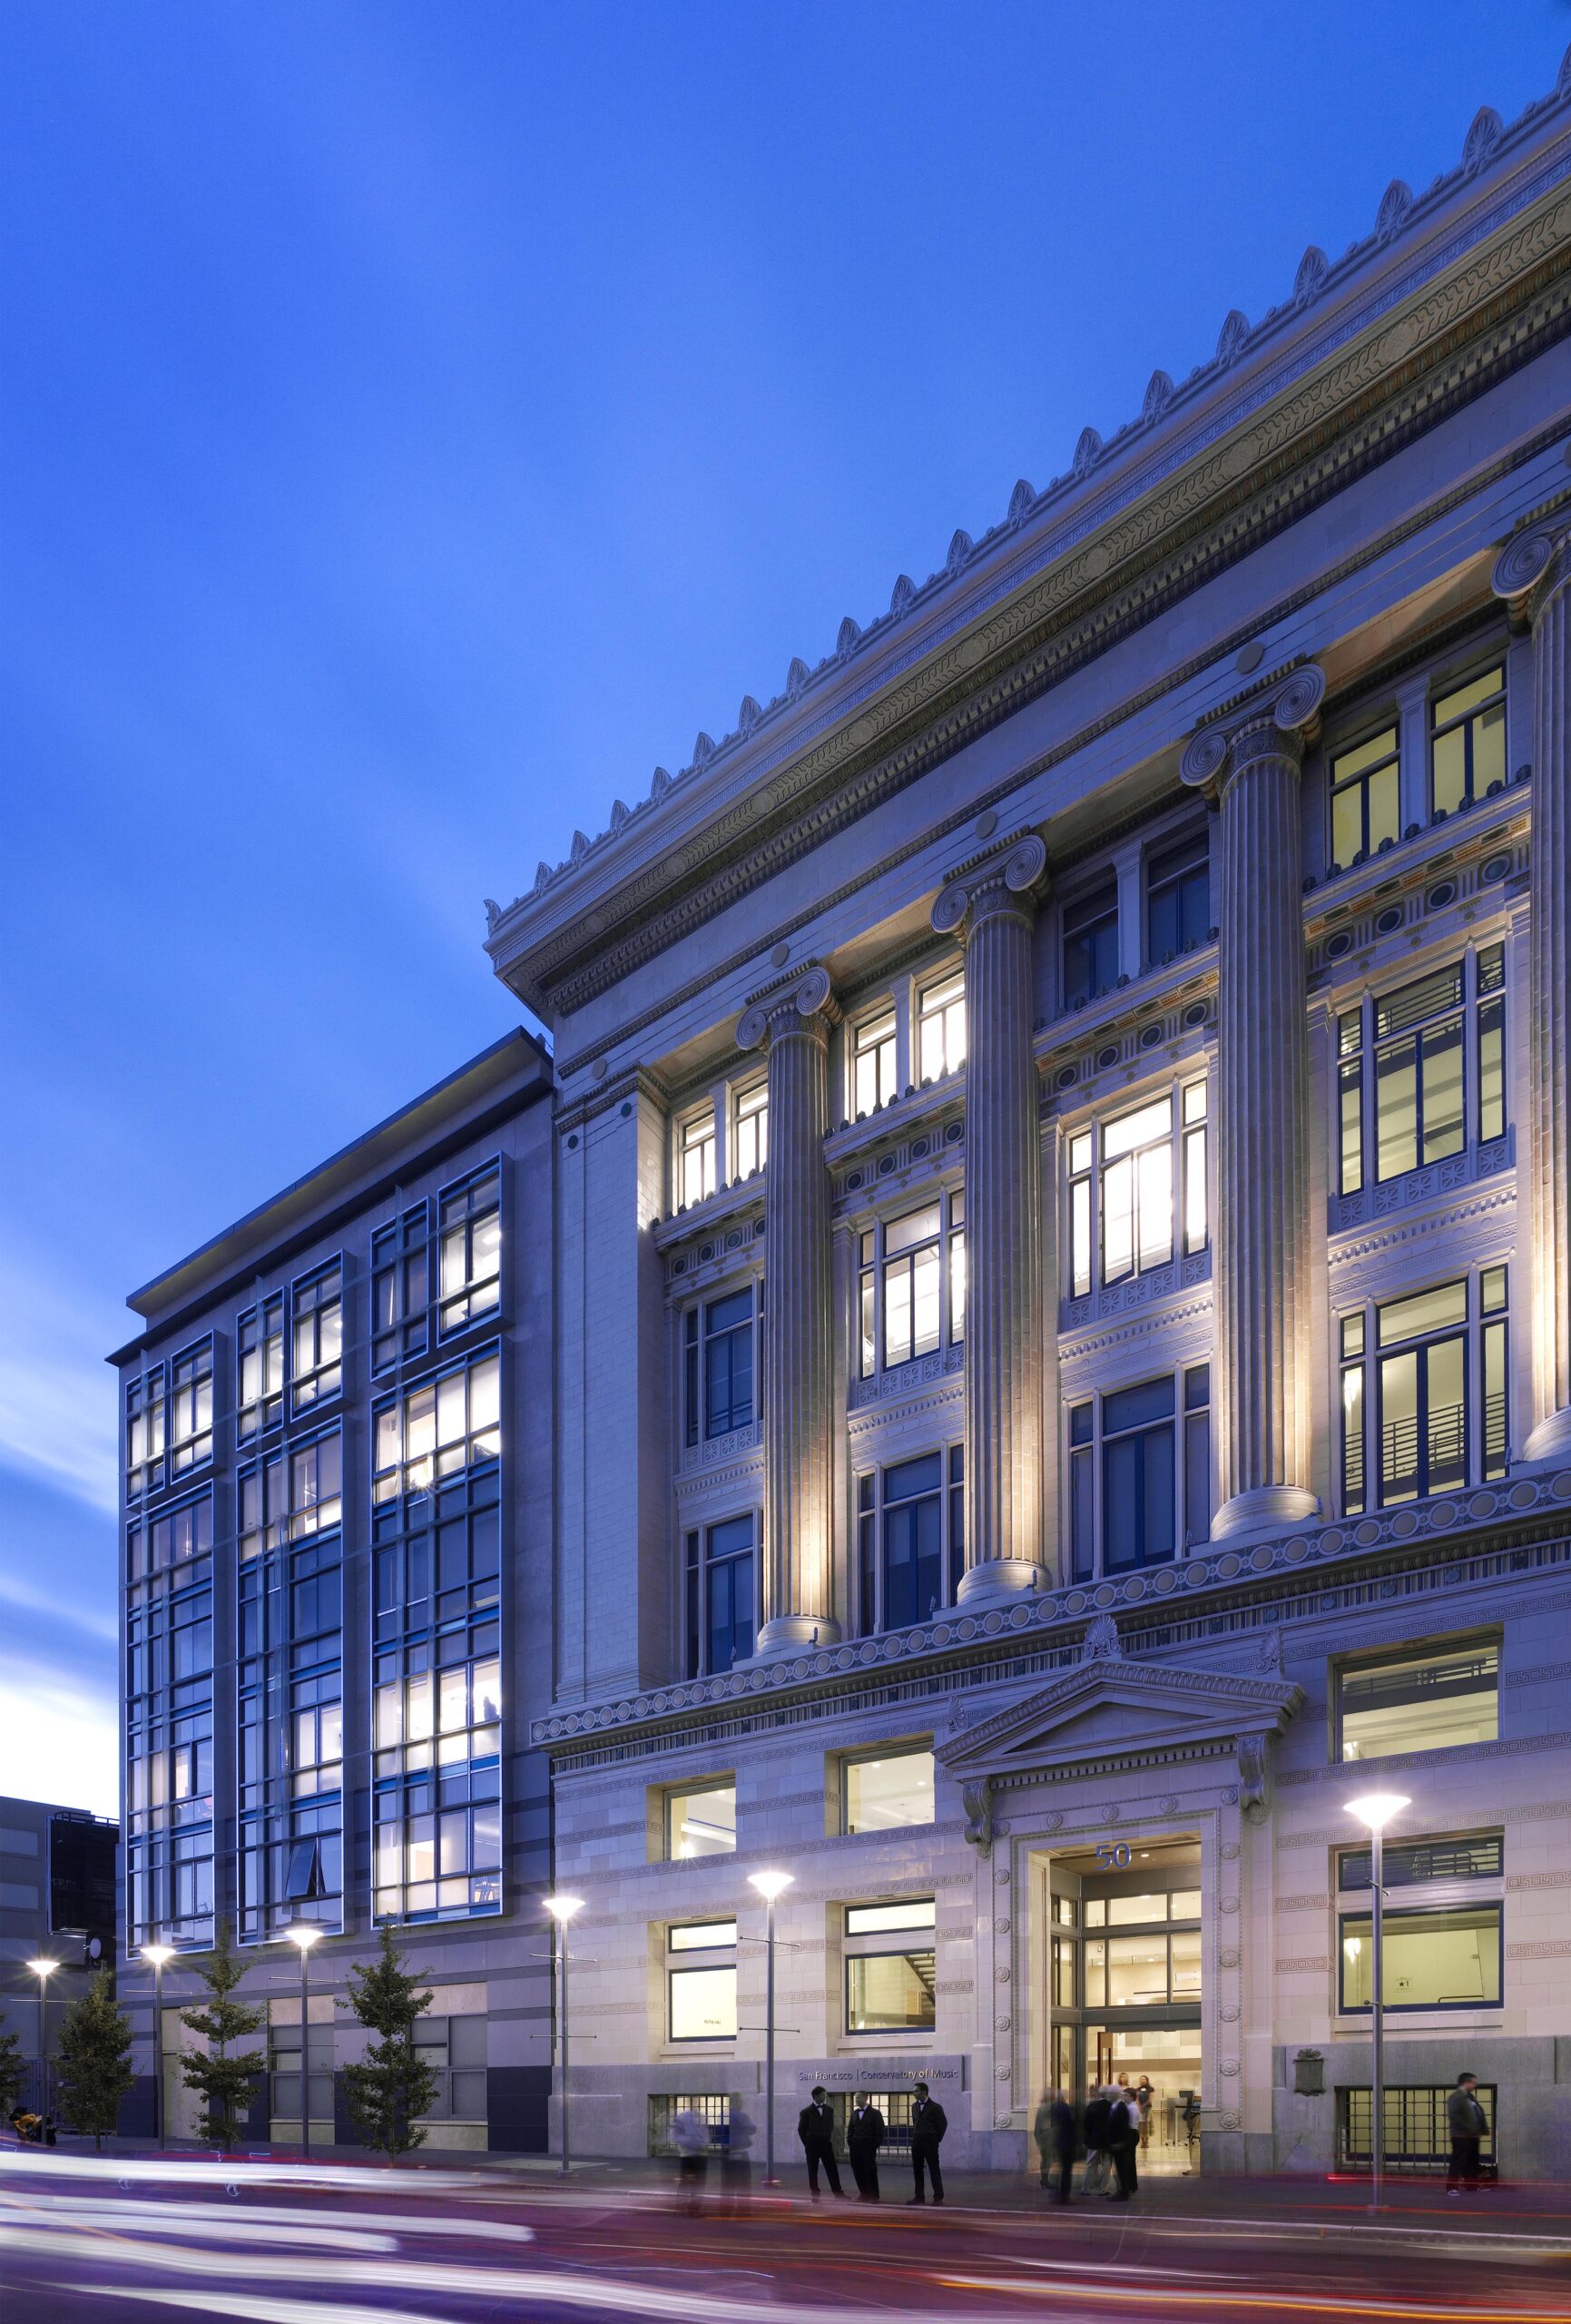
702 1936
1130 1179
437 1429
722 1599
1410 1863
290 1495
891 1992
695 1158
260 1367
883 1794
1441 1416
1142 1972
1366 805
1139 1474
470 1233
874 1920
700 1821
873 1063
1468 743
909 1301
1449 1960
1430 1701
721 1361
1178 897
1402 1065
751 1146
704 2004
1091 944
319 1335
941 1027
190 1409
144 1421
400 1288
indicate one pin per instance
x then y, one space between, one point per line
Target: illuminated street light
305 1937
1376 1809
562 1909
769 1885
43 1968
158 1954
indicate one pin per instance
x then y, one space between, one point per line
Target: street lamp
158 1954
305 1937
770 1885
43 1968
562 1909
1376 1809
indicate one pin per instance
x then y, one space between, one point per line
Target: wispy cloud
58 1736
57 1411
69 1611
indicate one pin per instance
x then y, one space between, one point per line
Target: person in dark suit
1124 2138
1062 2135
815 2130
929 2124
864 2137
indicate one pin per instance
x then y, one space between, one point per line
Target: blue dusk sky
421 419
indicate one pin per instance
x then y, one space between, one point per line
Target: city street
134 2239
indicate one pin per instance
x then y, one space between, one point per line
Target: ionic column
994 909
797 1593
1533 575
1262 1110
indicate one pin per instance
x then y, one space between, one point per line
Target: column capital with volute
803 1002
1532 568
1277 722
1010 879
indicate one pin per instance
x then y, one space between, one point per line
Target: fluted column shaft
1534 573
995 910
797 1595
1262 1115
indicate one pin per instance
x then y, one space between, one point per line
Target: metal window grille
1416 2134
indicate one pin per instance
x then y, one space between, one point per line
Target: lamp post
770 1885
43 1968
305 1937
1375 1809
562 1909
158 1954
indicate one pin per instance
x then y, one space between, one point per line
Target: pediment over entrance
1111 1704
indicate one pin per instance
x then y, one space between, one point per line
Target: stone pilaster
797 1593
994 909
1263 1387
1533 574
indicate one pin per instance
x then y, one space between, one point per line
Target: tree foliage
94 2068
392 2086
225 2084
12 2071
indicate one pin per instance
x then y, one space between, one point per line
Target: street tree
12 2071
93 2069
223 2081
392 2086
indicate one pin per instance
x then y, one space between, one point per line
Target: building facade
1063 1274
337 1590
57 1902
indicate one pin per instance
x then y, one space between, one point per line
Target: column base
998 1581
794 1634
1262 1510
1551 1440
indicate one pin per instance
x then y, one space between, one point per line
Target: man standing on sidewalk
929 2124
864 2137
1465 2119
815 2130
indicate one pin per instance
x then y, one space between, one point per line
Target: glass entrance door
1168 2059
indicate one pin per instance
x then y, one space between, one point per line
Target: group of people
1114 2127
866 2130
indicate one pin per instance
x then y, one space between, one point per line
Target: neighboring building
336 1532
1063 1352
56 1904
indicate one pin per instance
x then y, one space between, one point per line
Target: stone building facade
336 1526
1064 1290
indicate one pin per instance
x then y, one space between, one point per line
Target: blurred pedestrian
1062 2138
736 2163
1146 2099
1098 2135
689 2137
1124 2141
864 2137
815 2130
1041 2133
1465 2119
929 2124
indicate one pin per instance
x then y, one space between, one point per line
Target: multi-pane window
1467 741
1140 1473
1433 1699
873 1063
1438 1960
436 1596
190 1409
260 1367
912 1282
439 1429
469 1230
701 1820
701 1981
169 1721
144 1431
1091 943
910 1539
318 1303
1365 796
941 1026
455 2048
749 1126
1415 2127
1410 1863
722 1594
400 1288
890 1989
1150 1972
290 1495
1422 1069
1137 1182
695 1158
1425 1392
722 1358
887 1790
1178 897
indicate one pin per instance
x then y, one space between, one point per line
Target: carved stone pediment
1112 1705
